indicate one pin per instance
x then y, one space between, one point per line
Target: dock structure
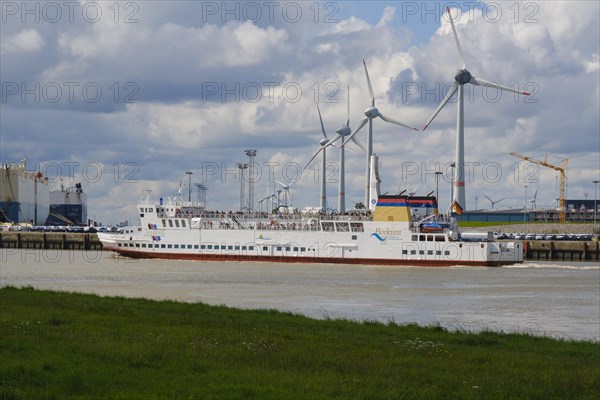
49 240
550 250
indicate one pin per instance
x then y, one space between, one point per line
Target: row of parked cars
533 236
67 229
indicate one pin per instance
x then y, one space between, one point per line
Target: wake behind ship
401 230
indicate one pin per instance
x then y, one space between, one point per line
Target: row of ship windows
428 238
429 252
207 247
164 223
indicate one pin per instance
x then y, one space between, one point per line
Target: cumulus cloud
27 40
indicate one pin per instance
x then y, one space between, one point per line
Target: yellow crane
562 169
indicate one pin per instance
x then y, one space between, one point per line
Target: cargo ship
396 230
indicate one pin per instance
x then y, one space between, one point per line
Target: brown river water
551 299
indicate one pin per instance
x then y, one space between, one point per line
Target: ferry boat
399 230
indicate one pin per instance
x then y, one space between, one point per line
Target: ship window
176 223
243 247
169 246
278 248
176 246
202 247
189 246
404 251
265 248
287 248
440 238
429 238
209 246
150 210
141 215
144 245
223 247
413 252
162 246
341 226
421 238
164 223
137 245
251 248
170 223
414 238
229 247
354 237
183 223
141 209
302 248
327 226
237 247
438 252
295 249
421 251
430 252
446 253
356 227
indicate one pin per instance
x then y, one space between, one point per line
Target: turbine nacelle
462 77
324 142
371 112
344 131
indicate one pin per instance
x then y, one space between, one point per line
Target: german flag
457 208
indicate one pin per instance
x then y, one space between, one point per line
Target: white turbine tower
370 114
461 78
492 201
322 147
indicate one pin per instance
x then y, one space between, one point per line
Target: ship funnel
374 182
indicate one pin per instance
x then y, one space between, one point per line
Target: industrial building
24 195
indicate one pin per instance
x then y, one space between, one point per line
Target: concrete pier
548 250
47 240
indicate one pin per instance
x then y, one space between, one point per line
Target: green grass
57 345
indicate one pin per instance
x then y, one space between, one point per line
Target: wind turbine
492 201
322 147
342 132
370 114
532 201
286 192
461 78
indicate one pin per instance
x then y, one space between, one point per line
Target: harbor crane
562 169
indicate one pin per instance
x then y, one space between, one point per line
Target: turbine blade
393 121
362 123
369 83
442 104
483 82
332 142
463 64
322 126
356 142
487 197
313 157
348 108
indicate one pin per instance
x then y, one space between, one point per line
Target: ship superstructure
68 206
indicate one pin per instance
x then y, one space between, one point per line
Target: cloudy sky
126 97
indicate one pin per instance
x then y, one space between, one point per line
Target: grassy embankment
60 345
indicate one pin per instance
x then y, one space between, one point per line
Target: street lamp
595 203
525 205
189 173
437 191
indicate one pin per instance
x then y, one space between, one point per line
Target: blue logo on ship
378 237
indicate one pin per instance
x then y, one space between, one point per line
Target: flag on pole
457 208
